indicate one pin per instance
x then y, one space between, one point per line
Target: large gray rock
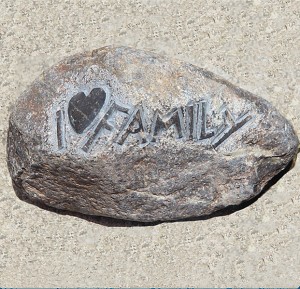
129 134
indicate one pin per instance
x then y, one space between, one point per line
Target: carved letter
191 120
135 124
61 129
103 124
202 119
160 123
229 127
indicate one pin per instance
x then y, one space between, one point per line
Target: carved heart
83 109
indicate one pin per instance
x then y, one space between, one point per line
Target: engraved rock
129 134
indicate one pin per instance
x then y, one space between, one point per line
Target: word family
194 122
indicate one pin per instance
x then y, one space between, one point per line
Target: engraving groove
229 127
195 122
204 133
61 129
135 124
164 122
103 124
191 120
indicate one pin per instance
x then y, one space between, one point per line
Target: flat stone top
119 98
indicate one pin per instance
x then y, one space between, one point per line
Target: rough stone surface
129 134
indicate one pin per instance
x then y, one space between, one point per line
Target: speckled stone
133 135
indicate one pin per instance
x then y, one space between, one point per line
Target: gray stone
128 134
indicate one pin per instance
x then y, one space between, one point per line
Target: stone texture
129 134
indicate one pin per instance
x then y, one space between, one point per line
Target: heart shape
83 109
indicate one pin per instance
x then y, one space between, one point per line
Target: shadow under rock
112 222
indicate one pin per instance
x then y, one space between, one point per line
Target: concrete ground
255 44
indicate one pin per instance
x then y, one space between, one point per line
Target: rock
128 134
